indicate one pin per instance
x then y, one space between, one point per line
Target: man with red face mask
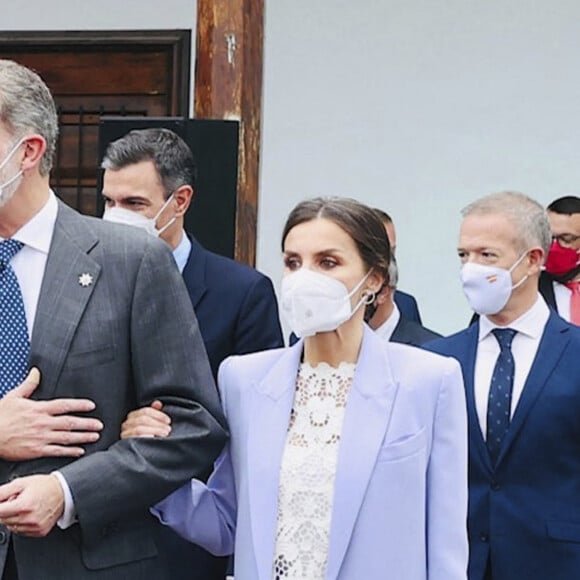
560 283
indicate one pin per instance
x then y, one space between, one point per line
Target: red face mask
561 260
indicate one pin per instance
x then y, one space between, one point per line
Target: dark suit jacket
413 333
407 306
235 305
123 341
237 312
523 512
546 287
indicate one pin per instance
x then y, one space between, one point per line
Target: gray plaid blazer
125 339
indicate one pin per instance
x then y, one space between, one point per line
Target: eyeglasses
566 239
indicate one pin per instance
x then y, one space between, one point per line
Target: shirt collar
530 323
37 232
386 329
181 253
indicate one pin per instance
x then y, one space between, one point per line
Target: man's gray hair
26 106
532 227
393 273
173 159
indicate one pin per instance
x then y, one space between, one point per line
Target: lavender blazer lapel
274 397
63 296
368 412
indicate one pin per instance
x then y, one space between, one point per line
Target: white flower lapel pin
85 280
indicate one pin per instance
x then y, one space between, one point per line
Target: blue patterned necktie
500 392
14 342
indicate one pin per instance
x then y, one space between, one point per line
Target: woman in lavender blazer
390 448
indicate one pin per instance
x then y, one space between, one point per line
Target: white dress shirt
386 329
562 294
30 262
29 265
181 253
529 327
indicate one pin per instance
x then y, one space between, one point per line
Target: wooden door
93 74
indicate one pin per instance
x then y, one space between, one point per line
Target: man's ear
34 147
182 199
383 295
535 260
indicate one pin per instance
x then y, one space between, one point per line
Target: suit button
3 537
484 538
495 486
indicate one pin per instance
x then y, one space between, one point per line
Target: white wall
98 15
417 107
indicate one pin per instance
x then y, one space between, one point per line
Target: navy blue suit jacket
235 305
524 513
407 306
413 333
237 312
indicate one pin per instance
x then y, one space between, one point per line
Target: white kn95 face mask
313 302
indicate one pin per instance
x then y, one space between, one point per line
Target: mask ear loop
11 152
159 231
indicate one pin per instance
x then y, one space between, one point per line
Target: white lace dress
306 489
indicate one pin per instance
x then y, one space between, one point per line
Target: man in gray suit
103 337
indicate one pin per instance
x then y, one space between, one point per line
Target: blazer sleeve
258 326
167 362
447 546
205 514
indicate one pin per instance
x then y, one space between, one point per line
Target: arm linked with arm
205 514
168 363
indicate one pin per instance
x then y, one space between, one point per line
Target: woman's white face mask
313 302
488 288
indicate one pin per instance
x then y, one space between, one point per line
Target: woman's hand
147 422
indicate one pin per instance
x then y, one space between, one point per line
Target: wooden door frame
178 40
228 85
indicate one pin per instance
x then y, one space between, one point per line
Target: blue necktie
14 342
500 392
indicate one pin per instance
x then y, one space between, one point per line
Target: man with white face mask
149 183
522 378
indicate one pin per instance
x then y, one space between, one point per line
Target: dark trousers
10 569
188 561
